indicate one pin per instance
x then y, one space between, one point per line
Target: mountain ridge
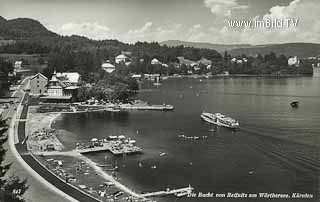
300 49
23 28
26 28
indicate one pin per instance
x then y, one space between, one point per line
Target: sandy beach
43 121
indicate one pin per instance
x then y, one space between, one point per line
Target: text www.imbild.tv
264 23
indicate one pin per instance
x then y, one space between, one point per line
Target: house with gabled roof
62 87
38 84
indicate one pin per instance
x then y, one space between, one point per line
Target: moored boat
220 120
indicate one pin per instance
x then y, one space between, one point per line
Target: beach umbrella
94 139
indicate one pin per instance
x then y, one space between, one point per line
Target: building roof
59 83
71 87
182 60
107 65
205 61
155 61
128 53
39 74
121 56
73 77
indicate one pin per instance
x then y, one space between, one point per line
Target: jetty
177 192
117 146
146 107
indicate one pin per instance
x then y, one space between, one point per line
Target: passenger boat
220 120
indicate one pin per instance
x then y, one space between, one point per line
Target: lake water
276 150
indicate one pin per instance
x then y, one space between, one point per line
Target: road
37 191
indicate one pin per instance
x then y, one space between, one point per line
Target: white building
108 67
239 61
293 61
17 65
62 87
233 60
155 61
69 77
121 58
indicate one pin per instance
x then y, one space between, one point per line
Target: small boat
153 167
162 154
294 104
220 120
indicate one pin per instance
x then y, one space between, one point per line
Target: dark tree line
5 68
11 187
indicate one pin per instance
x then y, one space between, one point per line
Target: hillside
22 28
32 33
218 47
288 49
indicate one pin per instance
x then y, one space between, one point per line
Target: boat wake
299 157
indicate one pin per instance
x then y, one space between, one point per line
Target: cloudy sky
159 20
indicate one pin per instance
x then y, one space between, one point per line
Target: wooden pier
169 192
112 146
146 107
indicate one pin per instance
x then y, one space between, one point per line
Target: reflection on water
275 150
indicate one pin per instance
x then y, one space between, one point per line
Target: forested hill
23 28
301 50
289 49
218 47
32 37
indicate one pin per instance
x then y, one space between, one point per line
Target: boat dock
116 147
146 107
185 190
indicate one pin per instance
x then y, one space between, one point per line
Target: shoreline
14 150
196 76
98 170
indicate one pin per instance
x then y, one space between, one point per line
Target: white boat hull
216 122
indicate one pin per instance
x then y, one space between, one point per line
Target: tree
5 68
11 188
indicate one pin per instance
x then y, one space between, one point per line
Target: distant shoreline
195 76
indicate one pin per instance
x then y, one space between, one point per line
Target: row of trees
80 54
5 68
11 188
116 87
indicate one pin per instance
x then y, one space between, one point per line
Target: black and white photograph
159 100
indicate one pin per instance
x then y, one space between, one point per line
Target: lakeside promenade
43 172
38 190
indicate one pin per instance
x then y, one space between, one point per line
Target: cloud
307 30
141 31
223 8
306 11
150 32
88 29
